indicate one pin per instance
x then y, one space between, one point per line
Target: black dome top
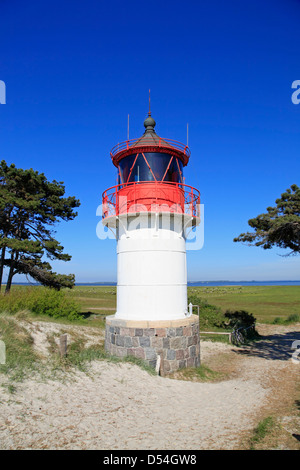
149 123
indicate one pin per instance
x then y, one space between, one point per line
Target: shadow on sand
276 347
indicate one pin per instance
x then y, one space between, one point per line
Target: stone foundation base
176 342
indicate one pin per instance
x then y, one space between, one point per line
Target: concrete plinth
176 342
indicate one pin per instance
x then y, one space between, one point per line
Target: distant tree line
30 207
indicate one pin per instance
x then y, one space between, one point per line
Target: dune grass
261 431
40 301
80 356
201 373
21 358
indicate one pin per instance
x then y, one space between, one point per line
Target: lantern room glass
166 167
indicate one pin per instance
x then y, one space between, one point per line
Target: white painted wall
152 273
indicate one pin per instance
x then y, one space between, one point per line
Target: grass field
265 302
95 299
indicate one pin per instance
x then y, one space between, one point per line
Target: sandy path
119 406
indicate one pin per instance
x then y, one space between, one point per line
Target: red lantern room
150 176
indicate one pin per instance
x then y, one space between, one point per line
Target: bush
239 319
293 318
243 321
210 315
40 301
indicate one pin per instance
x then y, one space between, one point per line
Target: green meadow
98 300
265 302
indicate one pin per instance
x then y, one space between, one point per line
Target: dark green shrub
245 321
239 319
212 316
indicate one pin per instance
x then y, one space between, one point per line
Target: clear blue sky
74 70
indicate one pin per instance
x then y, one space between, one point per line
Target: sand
120 406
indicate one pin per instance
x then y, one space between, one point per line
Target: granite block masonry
177 342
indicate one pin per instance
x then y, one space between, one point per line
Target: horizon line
188 282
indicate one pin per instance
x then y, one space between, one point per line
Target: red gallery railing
145 141
151 196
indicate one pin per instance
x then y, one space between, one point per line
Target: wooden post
63 345
158 364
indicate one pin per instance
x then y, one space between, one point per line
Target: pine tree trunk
11 271
2 265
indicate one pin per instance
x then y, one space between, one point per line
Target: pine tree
30 207
280 226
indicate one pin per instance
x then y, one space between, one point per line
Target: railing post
198 207
104 205
116 201
134 200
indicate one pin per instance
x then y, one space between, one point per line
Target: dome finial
149 123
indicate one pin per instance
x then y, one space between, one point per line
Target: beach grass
21 358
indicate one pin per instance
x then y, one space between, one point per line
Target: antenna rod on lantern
128 128
149 104
187 134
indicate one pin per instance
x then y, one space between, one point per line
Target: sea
244 283
212 283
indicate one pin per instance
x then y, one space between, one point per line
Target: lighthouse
150 210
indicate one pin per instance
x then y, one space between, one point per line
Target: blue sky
74 71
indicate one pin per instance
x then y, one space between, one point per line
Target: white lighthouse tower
150 210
